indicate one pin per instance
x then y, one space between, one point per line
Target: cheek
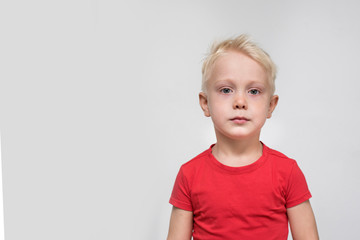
262 104
218 106
262 110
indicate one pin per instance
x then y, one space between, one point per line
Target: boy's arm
181 224
302 222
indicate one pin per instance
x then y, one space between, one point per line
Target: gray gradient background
99 108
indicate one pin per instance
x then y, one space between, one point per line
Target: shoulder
279 156
197 161
196 165
290 177
280 160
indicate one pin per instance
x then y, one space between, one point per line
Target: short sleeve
297 189
180 196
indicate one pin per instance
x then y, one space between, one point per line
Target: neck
237 153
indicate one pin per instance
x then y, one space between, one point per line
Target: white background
1 201
99 108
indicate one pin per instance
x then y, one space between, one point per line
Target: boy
239 188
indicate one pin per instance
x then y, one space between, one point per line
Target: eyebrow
223 80
254 82
230 81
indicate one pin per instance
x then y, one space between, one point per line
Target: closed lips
240 118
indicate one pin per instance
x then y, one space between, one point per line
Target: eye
226 90
254 92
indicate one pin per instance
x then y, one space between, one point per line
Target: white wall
99 108
2 235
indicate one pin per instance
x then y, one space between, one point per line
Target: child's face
238 96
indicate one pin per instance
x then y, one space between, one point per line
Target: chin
238 137
243 136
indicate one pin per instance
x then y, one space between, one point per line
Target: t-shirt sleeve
180 196
297 189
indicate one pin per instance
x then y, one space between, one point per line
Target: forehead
234 65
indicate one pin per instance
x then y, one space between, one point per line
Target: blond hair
243 44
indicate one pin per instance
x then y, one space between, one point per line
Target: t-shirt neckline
238 170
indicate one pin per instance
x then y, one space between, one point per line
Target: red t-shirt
247 202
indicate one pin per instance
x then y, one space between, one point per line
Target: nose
240 101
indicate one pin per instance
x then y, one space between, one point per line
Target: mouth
239 120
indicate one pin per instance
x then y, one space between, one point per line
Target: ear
204 104
273 102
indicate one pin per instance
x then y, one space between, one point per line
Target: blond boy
239 188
